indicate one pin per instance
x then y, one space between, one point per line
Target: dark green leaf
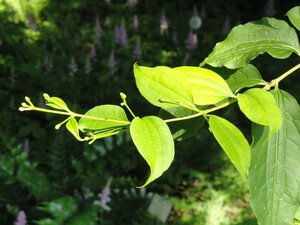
246 42
61 209
247 76
154 141
233 143
260 107
274 175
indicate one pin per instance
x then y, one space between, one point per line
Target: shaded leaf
233 143
61 209
274 176
96 118
207 86
162 86
260 107
247 76
246 42
185 129
88 216
154 141
294 16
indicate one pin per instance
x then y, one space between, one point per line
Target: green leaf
184 129
87 217
207 86
61 209
72 126
103 117
247 76
246 42
163 86
233 143
260 107
154 141
294 16
274 176
56 103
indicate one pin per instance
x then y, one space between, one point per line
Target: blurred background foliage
83 52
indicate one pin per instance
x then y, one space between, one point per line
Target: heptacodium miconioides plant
270 164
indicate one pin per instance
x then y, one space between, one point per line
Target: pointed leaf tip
154 141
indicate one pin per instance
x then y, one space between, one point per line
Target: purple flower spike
112 64
137 51
269 9
164 25
132 3
21 218
97 29
121 34
26 146
191 41
104 197
186 58
92 53
87 66
226 27
135 23
73 67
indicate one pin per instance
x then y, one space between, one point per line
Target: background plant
57 155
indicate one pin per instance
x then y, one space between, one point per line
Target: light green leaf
72 126
247 76
162 86
294 16
274 176
207 86
56 103
233 143
103 117
260 107
154 141
184 129
246 42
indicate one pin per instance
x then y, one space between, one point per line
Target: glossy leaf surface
233 143
260 107
294 16
162 86
95 118
72 126
154 141
246 42
247 76
207 86
274 176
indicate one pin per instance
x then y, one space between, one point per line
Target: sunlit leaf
246 42
207 86
260 107
154 141
162 86
274 176
56 103
294 16
103 117
233 143
72 126
247 76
